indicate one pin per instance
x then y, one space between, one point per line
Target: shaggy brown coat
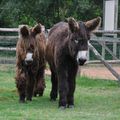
30 76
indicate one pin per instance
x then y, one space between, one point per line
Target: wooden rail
107 31
99 62
8 37
109 67
9 29
105 39
8 48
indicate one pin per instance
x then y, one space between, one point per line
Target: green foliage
94 100
48 12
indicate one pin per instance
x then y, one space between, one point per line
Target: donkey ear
93 24
37 29
73 25
24 31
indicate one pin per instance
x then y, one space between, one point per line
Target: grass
94 100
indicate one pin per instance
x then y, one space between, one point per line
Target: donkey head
28 35
79 35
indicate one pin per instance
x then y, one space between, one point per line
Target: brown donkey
66 49
30 64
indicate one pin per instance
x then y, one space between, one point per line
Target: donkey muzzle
29 59
82 57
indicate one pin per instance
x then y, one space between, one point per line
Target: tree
48 12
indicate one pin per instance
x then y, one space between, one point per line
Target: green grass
94 100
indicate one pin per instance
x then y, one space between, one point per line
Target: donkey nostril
81 61
28 62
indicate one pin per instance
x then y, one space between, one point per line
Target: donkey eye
76 41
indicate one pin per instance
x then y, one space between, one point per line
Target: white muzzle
82 57
29 57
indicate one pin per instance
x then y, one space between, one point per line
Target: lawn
94 100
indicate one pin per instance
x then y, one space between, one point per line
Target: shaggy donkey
30 63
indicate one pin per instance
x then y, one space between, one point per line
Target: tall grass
94 100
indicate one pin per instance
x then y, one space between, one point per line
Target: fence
8 40
105 40
108 47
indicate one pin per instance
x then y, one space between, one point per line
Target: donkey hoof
35 94
53 99
29 99
62 107
71 106
21 101
40 94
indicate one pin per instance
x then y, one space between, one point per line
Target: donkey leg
41 81
70 96
63 88
21 91
71 84
54 90
30 86
21 86
35 88
39 89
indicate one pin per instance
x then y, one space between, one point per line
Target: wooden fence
101 40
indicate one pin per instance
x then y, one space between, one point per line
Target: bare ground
96 71
99 71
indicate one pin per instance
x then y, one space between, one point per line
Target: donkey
66 49
30 62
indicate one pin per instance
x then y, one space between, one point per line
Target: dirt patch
99 71
96 71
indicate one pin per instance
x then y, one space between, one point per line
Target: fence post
115 49
103 49
88 54
115 46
